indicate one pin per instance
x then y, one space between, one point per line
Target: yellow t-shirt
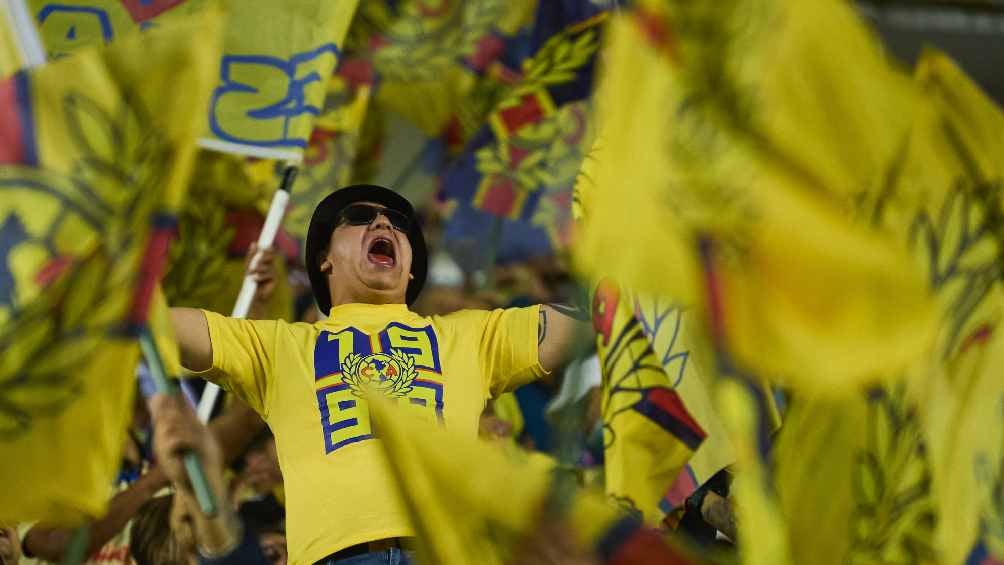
303 378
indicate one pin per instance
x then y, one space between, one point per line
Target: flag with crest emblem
648 434
95 153
513 181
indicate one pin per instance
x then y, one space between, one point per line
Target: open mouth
381 252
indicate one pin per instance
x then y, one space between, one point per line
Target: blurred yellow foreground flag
734 146
473 502
95 152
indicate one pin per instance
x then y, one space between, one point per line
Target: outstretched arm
560 329
192 333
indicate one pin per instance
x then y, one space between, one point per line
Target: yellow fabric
641 457
10 54
757 513
305 380
450 483
905 474
506 407
679 343
113 135
276 58
328 161
840 297
420 58
955 162
870 488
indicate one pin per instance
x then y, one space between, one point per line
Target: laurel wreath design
894 514
552 163
195 274
419 47
556 62
401 386
48 334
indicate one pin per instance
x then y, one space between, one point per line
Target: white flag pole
276 211
29 45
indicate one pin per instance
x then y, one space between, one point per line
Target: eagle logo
392 374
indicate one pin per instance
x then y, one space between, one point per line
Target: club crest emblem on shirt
392 374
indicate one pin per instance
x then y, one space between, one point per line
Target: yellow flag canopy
95 153
707 140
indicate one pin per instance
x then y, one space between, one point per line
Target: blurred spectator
10 546
261 465
109 536
217 539
265 520
156 538
273 545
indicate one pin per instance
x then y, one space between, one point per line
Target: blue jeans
392 556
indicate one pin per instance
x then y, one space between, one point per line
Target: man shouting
367 261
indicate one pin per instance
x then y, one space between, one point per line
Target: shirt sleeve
242 357
508 349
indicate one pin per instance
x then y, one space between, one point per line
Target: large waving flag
450 485
428 62
513 182
272 75
331 154
95 153
729 172
208 257
648 434
679 346
954 164
918 466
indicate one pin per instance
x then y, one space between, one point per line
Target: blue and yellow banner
272 75
518 168
95 155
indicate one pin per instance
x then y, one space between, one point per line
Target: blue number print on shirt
402 362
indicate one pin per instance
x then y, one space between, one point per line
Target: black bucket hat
326 217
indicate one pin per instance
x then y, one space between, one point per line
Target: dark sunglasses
364 214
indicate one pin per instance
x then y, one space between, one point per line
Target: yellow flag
679 343
95 153
452 485
648 434
761 525
735 184
276 60
909 472
207 259
954 164
428 61
328 162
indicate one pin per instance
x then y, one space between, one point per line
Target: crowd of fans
153 519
